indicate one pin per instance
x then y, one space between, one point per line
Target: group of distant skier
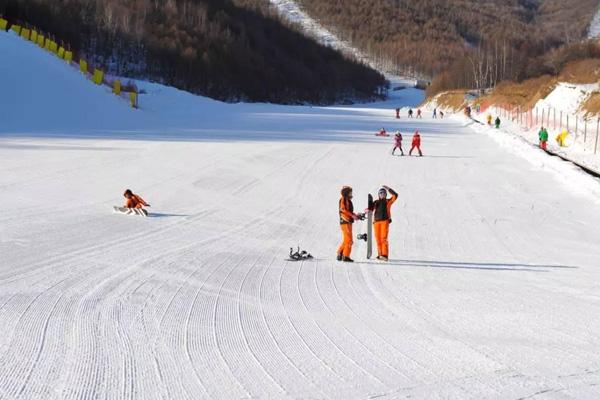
411 113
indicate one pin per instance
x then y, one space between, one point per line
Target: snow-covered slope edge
291 10
594 30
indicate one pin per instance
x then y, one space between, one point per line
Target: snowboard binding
299 255
362 236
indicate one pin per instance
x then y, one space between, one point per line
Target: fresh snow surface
568 97
594 30
492 290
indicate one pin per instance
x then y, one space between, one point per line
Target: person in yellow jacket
347 218
562 137
382 216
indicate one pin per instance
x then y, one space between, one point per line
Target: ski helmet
398 133
382 192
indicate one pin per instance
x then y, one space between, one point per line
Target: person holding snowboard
133 200
347 218
382 217
398 143
416 144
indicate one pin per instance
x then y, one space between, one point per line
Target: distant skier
347 218
382 216
133 200
410 113
419 113
497 122
435 113
441 114
398 143
382 132
416 144
561 138
397 113
489 119
543 134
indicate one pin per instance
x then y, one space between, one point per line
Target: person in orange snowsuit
382 217
347 218
133 200
416 144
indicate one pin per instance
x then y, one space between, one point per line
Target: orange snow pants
346 247
381 229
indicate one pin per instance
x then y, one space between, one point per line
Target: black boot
340 256
347 259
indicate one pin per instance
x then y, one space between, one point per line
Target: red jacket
416 141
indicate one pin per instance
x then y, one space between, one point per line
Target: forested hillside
458 42
229 50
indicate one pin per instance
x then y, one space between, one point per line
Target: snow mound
568 97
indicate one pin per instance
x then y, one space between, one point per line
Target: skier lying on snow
133 200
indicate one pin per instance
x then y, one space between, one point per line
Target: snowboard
131 211
368 237
370 227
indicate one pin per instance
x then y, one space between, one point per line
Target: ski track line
92 250
215 311
262 296
212 315
274 339
400 353
436 324
305 344
223 283
189 324
370 295
150 259
363 345
245 335
26 364
328 338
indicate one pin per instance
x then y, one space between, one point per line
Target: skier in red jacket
416 144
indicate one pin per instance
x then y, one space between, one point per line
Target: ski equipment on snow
299 255
131 211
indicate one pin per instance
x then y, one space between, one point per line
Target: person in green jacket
497 122
543 138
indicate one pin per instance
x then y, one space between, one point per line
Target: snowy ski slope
492 290
594 30
293 12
